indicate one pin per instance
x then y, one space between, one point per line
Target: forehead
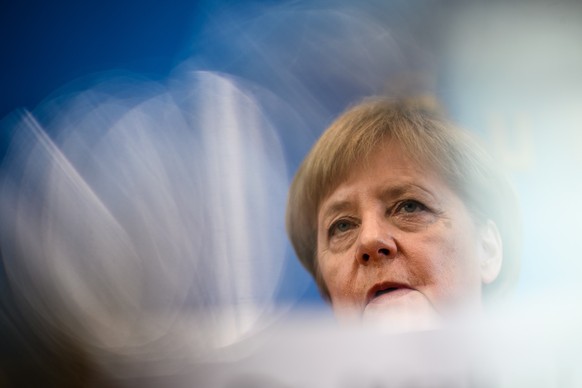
388 160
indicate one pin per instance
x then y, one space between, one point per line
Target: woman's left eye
410 206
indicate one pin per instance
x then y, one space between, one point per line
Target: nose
376 242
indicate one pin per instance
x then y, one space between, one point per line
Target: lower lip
390 296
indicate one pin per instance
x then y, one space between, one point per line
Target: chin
403 310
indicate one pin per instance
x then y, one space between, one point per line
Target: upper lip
382 286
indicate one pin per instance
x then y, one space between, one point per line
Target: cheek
339 279
450 266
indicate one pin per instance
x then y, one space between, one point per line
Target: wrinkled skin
397 244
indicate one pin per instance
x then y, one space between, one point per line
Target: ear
490 252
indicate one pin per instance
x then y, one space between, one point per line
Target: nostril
366 257
383 251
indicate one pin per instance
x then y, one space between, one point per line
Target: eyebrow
336 207
400 190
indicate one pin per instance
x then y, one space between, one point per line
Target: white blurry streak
246 172
228 200
51 239
145 167
152 230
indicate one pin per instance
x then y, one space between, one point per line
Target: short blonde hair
424 134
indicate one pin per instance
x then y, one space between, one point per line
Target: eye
410 206
341 226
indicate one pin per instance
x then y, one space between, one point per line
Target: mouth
386 290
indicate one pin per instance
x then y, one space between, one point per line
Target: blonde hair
424 135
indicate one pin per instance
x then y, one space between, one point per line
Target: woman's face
396 243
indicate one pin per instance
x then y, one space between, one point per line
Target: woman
400 216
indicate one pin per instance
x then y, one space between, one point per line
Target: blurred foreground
142 233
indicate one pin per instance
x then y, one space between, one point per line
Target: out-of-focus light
145 220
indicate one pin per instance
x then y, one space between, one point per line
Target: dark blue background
45 45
